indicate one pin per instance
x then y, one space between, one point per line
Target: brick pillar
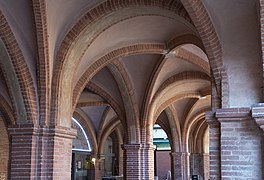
176 166
199 165
4 151
43 153
99 166
131 161
120 159
214 150
206 166
196 164
147 161
138 161
186 165
180 165
241 144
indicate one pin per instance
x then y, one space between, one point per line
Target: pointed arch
110 127
126 90
175 129
209 37
158 105
89 128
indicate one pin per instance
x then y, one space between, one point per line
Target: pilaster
214 147
241 144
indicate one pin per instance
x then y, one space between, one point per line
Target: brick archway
209 37
155 109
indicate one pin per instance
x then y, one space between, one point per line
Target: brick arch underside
73 37
67 62
211 42
17 75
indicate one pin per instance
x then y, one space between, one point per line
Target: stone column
214 150
41 152
241 144
180 165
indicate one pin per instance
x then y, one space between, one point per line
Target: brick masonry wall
163 164
241 145
4 151
43 153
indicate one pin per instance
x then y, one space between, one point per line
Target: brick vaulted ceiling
150 56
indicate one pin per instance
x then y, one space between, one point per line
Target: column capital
148 147
233 114
131 146
210 118
257 113
179 154
138 146
100 156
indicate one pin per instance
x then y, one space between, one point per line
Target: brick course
241 144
